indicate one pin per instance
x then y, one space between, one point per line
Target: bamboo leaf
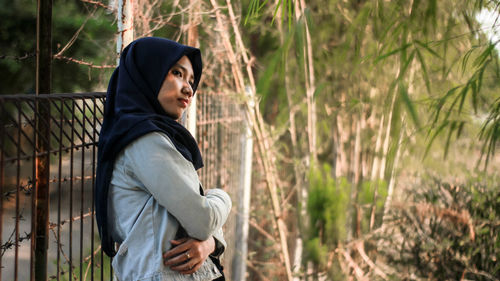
474 94
462 95
406 64
490 132
468 20
252 10
429 49
466 58
460 128
442 101
424 71
319 89
481 74
436 133
452 127
450 109
481 59
276 9
410 106
393 52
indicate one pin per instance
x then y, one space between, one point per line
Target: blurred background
357 138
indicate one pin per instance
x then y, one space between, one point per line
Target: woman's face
176 91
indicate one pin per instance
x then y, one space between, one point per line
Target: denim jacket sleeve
173 182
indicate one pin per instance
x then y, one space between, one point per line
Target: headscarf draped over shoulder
132 110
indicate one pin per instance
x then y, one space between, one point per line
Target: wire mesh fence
220 129
73 122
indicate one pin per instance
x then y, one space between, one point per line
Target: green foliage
447 231
18 44
316 252
255 8
490 132
327 205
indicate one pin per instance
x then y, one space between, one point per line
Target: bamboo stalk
303 189
387 139
309 80
390 189
296 156
255 119
378 146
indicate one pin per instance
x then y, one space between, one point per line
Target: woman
148 196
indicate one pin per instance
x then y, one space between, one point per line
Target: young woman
149 200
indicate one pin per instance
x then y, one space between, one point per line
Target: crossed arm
201 216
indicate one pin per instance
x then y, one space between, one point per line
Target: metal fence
68 124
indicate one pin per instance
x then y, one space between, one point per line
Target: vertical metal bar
71 179
33 193
82 193
18 183
43 86
42 194
59 189
92 190
1 187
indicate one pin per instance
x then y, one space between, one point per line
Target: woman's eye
177 73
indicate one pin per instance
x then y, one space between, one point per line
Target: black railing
62 233
67 243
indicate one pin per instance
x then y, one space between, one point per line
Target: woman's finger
176 260
187 256
179 241
180 246
188 268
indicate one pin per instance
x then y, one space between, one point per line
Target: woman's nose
187 90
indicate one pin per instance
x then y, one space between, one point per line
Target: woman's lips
184 102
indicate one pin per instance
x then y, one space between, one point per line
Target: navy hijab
132 110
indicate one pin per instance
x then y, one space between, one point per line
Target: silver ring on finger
188 256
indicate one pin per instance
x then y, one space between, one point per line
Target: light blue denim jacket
153 190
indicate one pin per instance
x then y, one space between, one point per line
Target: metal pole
43 86
125 21
242 218
192 40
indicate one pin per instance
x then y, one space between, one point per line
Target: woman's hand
188 254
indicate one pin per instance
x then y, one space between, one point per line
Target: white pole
191 117
125 20
243 214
